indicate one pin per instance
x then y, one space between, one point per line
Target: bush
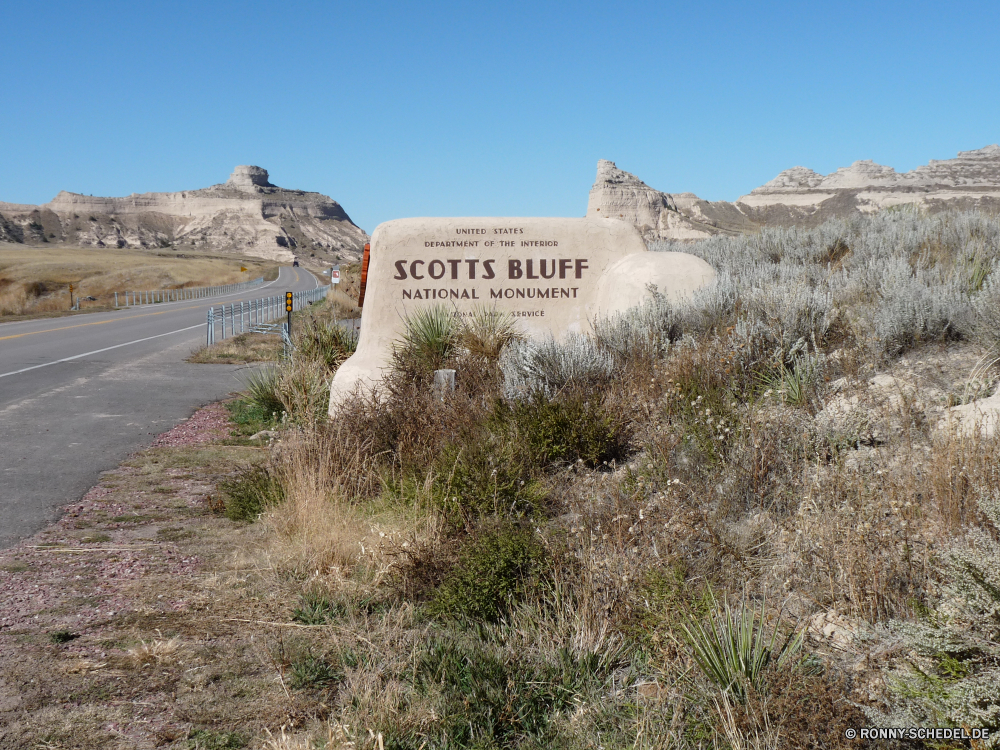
566 430
248 417
495 566
485 332
905 278
952 669
548 366
304 392
644 332
207 739
252 490
310 672
486 474
734 649
491 699
314 609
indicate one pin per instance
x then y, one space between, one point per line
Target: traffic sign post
288 309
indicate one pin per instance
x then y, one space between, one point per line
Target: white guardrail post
253 313
154 296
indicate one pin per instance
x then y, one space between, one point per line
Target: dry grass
36 280
241 349
158 651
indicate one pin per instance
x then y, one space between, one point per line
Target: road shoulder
129 623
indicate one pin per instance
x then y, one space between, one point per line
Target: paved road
78 394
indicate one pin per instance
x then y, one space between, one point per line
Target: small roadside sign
335 275
242 268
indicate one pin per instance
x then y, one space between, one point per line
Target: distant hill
799 196
246 214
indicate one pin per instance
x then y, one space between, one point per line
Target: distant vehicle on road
295 262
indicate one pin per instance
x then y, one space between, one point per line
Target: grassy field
35 280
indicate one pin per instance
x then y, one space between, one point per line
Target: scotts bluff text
490 269
472 268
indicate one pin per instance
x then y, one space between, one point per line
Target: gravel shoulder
129 623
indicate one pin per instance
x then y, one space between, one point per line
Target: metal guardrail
256 315
154 296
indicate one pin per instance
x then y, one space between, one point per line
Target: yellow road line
115 320
98 322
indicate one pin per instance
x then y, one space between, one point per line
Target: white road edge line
98 351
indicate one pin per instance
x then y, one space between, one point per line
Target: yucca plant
486 331
326 342
429 338
263 389
734 646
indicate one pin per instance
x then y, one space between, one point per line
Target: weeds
573 428
495 566
486 331
315 609
327 342
251 491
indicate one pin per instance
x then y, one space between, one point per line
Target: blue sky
456 109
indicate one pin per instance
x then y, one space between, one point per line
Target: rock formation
246 214
799 196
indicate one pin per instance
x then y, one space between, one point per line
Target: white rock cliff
799 196
246 214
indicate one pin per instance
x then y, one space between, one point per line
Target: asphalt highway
79 393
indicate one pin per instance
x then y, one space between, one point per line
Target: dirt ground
126 625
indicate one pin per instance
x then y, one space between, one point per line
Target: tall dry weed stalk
317 528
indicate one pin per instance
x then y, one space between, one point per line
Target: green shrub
495 566
734 649
63 636
486 474
206 739
250 491
951 668
548 366
486 331
249 417
499 700
574 427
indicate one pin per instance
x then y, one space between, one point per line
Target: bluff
799 196
245 214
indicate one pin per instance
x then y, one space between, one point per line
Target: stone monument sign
553 275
